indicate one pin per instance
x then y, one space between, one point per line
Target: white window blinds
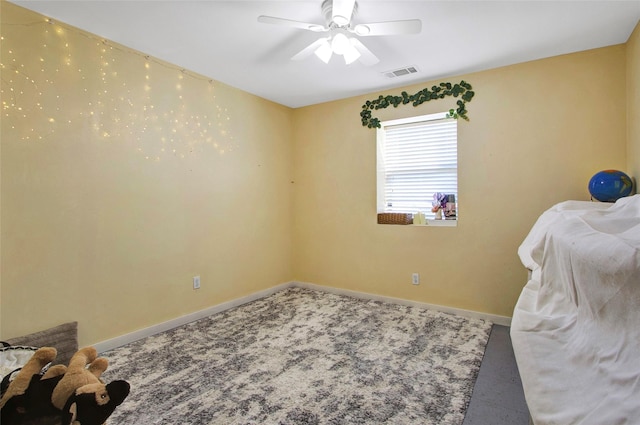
417 157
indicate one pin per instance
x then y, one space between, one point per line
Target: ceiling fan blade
366 57
341 11
411 26
290 23
309 50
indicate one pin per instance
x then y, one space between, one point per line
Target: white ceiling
224 41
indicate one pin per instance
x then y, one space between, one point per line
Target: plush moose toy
72 395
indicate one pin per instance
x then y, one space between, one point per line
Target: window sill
439 223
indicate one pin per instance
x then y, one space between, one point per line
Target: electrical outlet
196 282
415 278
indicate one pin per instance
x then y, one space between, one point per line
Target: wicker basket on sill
395 218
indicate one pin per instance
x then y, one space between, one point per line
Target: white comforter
576 326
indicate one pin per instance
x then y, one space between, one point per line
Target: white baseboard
493 318
182 320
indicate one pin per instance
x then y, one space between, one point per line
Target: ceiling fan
338 16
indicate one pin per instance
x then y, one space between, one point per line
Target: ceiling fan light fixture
340 44
324 52
337 15
351 54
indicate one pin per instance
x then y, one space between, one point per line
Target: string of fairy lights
58 81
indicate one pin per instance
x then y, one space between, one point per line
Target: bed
576 325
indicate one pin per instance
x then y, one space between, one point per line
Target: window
417 157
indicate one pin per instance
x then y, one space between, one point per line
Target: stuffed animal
63 395
14 405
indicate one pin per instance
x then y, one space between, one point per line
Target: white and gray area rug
304 357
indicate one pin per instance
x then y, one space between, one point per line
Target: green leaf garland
462 90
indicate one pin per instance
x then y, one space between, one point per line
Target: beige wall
633 103
114 196
145 177
537 132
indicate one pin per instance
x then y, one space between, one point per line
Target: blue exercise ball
610 185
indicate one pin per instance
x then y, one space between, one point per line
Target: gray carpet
304 357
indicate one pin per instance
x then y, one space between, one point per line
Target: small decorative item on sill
450 207
439 204
444 206
395 218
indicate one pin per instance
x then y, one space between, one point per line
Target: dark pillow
63 338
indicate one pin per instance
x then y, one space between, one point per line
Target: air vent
401 72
